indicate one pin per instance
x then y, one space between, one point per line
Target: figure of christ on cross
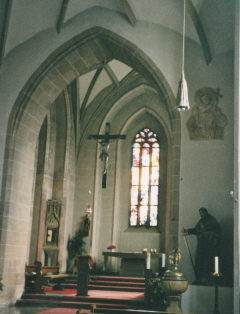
105 140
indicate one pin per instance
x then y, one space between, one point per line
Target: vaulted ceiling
210 23
207 22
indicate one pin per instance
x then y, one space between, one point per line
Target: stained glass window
145 179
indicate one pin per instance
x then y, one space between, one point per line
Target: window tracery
144 179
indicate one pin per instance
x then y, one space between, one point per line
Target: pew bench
37 277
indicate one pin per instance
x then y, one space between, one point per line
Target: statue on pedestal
208 232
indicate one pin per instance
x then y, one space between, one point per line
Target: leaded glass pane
143 211
155 176
136 155
145 155
154 195
133 215
135 175
153 215
134 195
155 157
145 176
152 139
144 195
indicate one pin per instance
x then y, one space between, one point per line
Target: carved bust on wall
207 120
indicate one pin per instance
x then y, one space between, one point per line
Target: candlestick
216 265
148 260
216 277
163 260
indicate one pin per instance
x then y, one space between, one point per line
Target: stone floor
22 310
39 310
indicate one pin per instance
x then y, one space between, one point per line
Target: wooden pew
97 310
37 277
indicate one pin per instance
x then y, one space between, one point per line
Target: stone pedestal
51 256
174 284
83 274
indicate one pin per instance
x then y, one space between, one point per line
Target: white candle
216 265
163 259
148 260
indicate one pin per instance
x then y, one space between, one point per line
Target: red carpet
121 295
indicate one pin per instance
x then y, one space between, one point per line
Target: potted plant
1 284
75 246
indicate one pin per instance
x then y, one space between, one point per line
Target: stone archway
126 112
76 57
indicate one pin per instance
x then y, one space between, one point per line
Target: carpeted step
114 283
65 304
118 278
106 287
105 291
117 283
116 288
74 278
93 298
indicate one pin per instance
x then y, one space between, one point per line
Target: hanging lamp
182 102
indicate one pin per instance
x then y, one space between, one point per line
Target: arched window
145 179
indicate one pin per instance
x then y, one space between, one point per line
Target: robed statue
208 233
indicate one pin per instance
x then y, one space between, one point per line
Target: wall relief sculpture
207 120
53 212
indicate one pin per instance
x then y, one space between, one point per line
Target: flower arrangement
110 247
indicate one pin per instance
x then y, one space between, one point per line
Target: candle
148 260
163 259
216 265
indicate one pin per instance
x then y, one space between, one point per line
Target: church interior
119 119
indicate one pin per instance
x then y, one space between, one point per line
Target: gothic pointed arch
76 57
140 107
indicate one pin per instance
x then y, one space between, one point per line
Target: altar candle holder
216 278
147 294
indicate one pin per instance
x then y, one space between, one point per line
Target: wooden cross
104 141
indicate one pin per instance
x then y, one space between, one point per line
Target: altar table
132 263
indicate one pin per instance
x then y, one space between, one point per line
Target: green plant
1 284
76 245
157 295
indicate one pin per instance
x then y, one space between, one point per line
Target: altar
132 263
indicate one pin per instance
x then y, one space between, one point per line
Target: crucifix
104 142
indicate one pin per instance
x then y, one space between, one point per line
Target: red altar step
65 302
106 292
114 283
